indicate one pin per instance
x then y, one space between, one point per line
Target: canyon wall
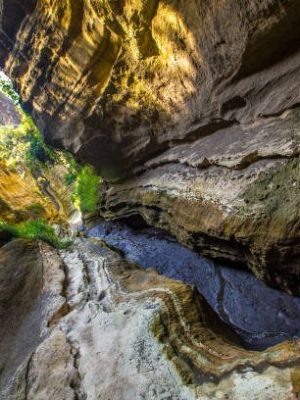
8 113
33 177
87 324
189 110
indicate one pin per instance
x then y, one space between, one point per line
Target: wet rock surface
190 111
260 315
111 330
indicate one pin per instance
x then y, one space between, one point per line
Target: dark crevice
261 53
244 163
26 379
190 137
13 16
223 285
235 103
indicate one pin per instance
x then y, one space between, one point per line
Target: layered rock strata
261 316
105 329
196 104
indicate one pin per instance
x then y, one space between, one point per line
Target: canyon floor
149 200
100 321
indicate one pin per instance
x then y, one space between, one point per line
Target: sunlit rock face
33 181
87 324
194 103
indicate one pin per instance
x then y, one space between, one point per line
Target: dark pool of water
260 315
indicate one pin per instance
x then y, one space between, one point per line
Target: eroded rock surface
261 316
197 103
105 329
8 113
31 297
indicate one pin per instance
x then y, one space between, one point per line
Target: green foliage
86 194
34 230
7 88
24 138
38 151
24 143
86 185
73 169
70 178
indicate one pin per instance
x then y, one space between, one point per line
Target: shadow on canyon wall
260 315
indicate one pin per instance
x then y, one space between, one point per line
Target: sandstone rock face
33 177
195 103
8 113
31 283
95 326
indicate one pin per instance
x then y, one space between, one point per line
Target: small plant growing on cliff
86 194
38 151
6 87
24 143
34 230
73 169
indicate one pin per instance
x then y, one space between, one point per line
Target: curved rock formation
261 316
197 103
105 329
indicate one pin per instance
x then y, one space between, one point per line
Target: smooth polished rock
89 324
189 110
141 335
261 316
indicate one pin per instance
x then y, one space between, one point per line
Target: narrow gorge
149 200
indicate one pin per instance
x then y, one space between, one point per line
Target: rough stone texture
31 296
43 195
8 113
98 327
197 103
249 216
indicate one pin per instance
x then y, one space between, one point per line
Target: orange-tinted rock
196 104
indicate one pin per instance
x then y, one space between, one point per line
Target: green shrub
34 230
87 187
70 178
24 144
38 151
73 168
6 87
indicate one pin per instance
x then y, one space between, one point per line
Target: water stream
260 315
